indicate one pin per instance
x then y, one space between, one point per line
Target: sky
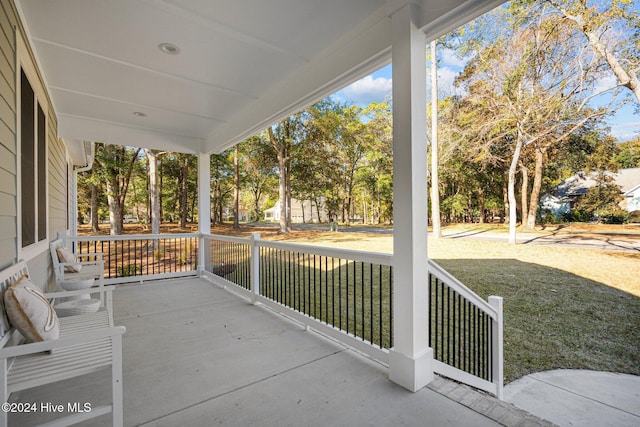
624 124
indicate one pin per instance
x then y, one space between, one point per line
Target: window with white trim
32 157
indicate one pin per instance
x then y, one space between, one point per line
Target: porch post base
411 373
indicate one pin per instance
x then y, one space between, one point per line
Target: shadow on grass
555 319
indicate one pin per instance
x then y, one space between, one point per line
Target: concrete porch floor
198 355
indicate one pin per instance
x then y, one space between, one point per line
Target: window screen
27 161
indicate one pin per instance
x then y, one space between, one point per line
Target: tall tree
348 147
536 86
601 200
154 189
435 181
236 188
258 170
116 164
376 174
90 188
187 167
221 184
282 137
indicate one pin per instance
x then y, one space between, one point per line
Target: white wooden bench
87 343
91 266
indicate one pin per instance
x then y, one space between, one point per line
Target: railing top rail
231 239
133 237
372 257
459 287
353 255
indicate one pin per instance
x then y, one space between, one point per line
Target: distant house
243 215
301 211
632 199
629 180
556 205
571 190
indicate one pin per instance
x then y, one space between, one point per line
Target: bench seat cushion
67 257
30 312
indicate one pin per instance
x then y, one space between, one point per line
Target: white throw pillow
67 257
30 312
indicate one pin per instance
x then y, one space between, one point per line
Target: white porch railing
344 294
466 333
132 258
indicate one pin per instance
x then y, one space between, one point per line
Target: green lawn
564 308
557 314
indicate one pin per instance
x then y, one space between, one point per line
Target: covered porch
198 100
198 354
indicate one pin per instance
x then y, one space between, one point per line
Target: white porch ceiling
243 64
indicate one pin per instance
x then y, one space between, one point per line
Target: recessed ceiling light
139 114
169 48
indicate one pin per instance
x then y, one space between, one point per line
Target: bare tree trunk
364 209
135 197
511 187
435 191
184 202
154 191
256 205
524 192
282 192
481 204
505 201
236 189
535 191
148 199
281 154
95 227
115 210
160 210
288 188
216 218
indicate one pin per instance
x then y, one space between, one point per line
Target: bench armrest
93 290
106 296
39 347
61 273
97 255
96 262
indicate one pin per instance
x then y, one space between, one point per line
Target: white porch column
204 209
410 359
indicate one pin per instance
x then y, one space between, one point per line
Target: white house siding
58 183
40 264
310 212
58 194
8 170
632 198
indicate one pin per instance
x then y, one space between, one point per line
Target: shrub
576 215
158 254
613 219
634 217
129 270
